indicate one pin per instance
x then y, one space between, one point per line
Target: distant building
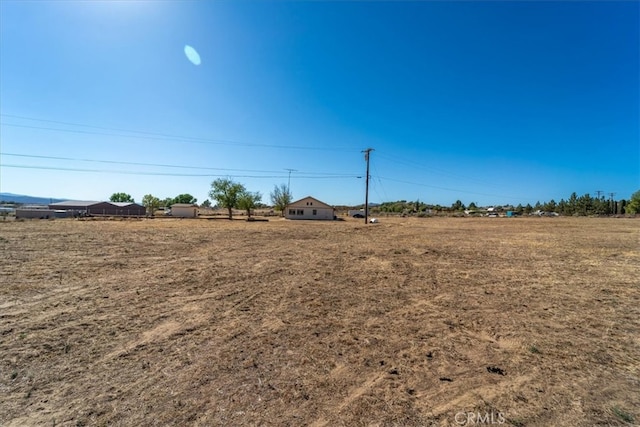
35 213
309 208
184 210
78 207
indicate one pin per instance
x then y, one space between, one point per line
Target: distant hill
28 200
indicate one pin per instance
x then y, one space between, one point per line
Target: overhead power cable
122 172
33 156
424 168
136 134
449 189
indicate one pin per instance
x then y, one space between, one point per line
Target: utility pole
599 192
366 196
289 182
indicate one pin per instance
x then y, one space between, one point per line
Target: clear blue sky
491 102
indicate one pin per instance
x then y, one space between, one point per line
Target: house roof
184 205
302 203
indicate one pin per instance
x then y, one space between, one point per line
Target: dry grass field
410 322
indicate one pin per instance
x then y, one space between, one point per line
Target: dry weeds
404 323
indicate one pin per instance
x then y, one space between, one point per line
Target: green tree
528 209
151 203
585 204
226 192
121 197
600 206
166 202
633 205
562 207
280 197
248 201
185 198
550 206
205 204
457 206
572 203
472 205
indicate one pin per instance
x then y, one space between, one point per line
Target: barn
309 208
184 210
41 213
128 209
79 207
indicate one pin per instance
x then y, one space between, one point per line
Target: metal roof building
82 207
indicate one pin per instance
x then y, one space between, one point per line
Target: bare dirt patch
409 322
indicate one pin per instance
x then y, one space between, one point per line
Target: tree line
574 205
233 195
227 193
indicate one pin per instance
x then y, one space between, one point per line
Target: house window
292 211
300 212
315 212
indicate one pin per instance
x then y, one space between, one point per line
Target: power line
411 163
163 165
121 172
155 135
449 189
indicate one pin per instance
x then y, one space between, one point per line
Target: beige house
309 208
184 210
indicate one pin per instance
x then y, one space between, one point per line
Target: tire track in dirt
354 393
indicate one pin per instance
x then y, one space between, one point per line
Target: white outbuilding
184 210
309 208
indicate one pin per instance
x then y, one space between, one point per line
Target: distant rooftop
75 203
122 204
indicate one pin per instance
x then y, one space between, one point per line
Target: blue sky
491 102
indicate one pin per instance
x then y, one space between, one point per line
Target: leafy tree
166 202
633 205
528 209
457 206
184 198
151 203
472 205
226 192
519 209
281 197
248 201
121 197
205 204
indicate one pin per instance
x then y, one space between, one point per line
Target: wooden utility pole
366 195
289 182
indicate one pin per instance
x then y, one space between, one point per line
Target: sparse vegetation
533 349
623 415
326 323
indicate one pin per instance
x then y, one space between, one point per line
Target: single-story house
78 207
184 210
309 208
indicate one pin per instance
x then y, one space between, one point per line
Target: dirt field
410 322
